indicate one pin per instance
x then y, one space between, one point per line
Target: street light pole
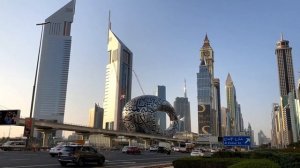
35 77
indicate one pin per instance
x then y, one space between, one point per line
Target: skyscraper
217 106
204 99
231 104
182 108
54 65
214 105
118 82
161 116
287 91
285 67
96 116
262 138
277 128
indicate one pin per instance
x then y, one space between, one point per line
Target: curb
165 165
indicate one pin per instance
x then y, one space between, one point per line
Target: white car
153 149
55 150
124 150
197 153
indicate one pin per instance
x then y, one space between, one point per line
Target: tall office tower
238 118
225 122
287 89
298 109
277 127
118 82
285 67
241 119
54 66
231 104
262 138
96 117
204 97
182 108
217 105
161 116
298 89
250 133
207 54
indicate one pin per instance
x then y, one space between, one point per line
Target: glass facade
203 85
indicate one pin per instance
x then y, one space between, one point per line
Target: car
124 149
80 155
161 149
153 148
176 149
197 152
55 150
13 145
133 150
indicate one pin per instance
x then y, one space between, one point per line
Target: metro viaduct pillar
46 133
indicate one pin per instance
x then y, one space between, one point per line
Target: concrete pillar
46 136
129 142
146 143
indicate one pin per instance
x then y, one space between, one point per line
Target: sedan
197 153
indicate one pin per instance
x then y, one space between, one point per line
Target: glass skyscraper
161 116
204 99
232 105
54 65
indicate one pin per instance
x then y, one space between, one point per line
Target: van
13 145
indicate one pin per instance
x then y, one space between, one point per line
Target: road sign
236 140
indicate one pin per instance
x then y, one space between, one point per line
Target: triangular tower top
206 43
229 80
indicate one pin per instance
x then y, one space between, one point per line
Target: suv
80 155
133 150
162 149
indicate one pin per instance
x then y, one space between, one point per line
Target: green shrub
255 163
195 162
228 154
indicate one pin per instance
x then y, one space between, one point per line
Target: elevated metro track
46 125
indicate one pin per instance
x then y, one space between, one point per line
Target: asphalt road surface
28 159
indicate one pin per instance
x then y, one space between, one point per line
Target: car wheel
63 163
100 162
80 162
52 155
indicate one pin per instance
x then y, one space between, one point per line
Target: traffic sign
236 140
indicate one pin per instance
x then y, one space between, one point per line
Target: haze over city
165 38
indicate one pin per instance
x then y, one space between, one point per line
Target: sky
165 38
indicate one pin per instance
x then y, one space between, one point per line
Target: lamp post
34 84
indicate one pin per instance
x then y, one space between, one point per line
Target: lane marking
45 165
18 159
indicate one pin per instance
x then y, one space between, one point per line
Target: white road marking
45 165
19 159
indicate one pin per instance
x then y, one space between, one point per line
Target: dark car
161 149
133 150
80 155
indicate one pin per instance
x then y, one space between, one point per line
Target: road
26 159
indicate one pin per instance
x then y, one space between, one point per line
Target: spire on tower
206 38
109 23
185 95
281 36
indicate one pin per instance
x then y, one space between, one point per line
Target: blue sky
165 38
